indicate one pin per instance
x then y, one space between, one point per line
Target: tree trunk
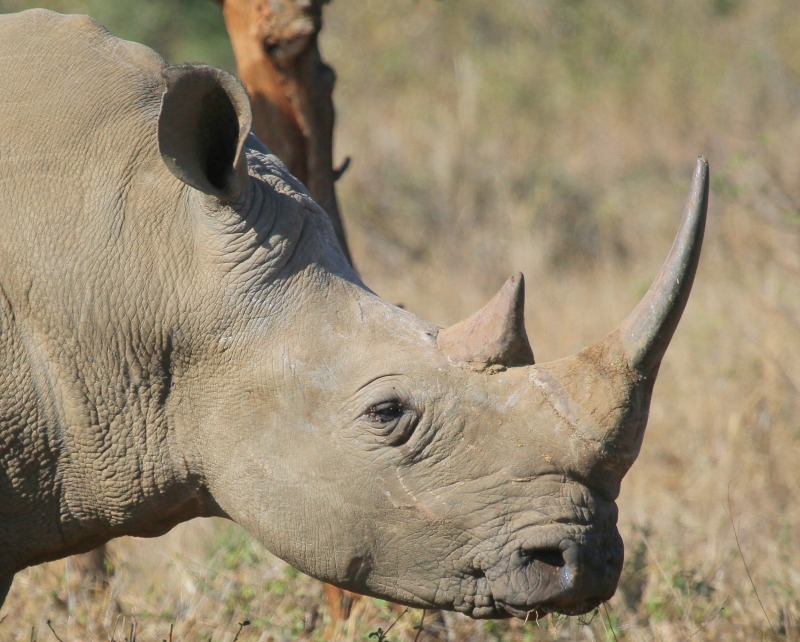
278 59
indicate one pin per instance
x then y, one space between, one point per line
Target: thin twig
710 618
241 626
114 630
380 634
747 570
610 623
397 620
420 629
50 626
662 572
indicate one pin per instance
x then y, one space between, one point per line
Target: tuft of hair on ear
204 120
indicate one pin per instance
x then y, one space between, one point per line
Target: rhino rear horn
204 120
495 334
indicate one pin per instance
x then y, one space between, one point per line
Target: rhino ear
204 121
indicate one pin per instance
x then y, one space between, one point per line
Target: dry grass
556 139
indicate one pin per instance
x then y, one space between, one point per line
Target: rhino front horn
646 331
495 334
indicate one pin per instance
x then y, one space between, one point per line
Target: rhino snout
569 578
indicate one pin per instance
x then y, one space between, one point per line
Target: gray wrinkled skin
181 336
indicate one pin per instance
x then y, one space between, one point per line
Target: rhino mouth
569 578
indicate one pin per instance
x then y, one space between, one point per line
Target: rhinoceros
181 336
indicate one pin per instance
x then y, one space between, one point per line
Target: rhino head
436 467
230 362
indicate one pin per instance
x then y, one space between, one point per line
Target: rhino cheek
279 482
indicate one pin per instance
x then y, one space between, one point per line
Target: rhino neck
250 241
253 247
95 458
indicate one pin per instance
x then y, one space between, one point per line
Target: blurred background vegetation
555 138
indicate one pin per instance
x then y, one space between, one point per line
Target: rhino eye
392 421
386 412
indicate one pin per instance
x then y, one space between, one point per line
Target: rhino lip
532 614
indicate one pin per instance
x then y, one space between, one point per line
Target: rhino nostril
551 557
